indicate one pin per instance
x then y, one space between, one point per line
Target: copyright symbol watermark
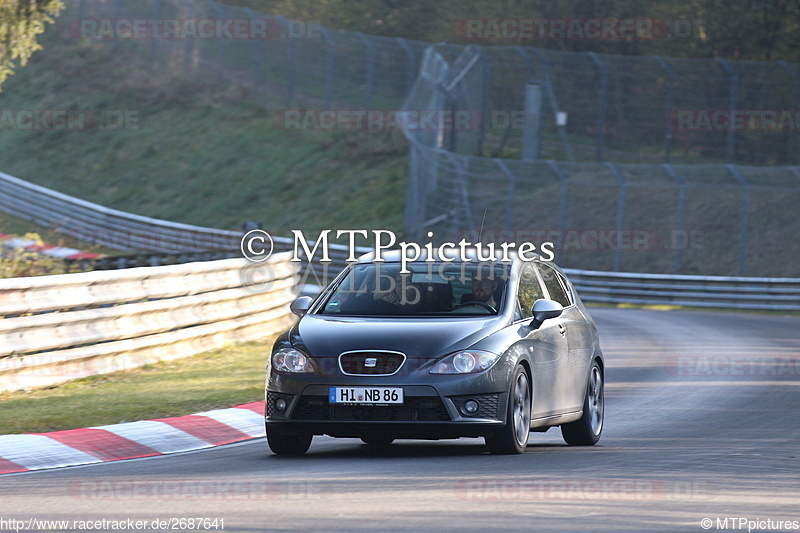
706 523
257 278
256 245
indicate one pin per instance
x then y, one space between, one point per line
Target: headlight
290 360
465 362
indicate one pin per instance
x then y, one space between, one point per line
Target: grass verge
216 379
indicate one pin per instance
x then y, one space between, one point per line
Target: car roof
470 255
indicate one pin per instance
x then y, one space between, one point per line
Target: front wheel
513 438
283 442
586 430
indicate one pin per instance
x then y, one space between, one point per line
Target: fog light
471 407
280 404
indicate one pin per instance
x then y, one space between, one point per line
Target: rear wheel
513 438
586 430
283 442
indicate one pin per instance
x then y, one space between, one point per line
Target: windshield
429 289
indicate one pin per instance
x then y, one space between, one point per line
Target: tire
513 438
586 431
377 441
283 442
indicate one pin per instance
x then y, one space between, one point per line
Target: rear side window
552 280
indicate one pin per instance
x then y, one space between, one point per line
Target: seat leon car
437 350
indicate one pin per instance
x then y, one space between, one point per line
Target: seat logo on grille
370 362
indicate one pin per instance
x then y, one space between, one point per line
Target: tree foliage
20 22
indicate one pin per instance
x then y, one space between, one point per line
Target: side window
554 285
530 289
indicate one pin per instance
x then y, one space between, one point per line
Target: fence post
254 49
623 193
291 63
487 79
743 218
734 97
551 95
221 42
531 135
792 142
329 63
562 207
369 70
680 216
602 98
155 14
510 195
411 71
458 163
668 104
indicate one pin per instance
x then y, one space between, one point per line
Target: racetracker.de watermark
377 120
578 490
68 119
591 29
95 490
193 28
734 120
733 366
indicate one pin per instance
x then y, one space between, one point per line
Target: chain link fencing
682 196
720 219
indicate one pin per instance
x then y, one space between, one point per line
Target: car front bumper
426 413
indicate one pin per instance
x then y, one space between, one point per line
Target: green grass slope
196 151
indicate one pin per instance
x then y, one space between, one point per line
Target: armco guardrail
57 328
779 294
170 242
107 227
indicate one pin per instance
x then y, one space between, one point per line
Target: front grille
415 409
487 405
271 397
385 363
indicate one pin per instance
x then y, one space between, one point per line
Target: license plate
366 395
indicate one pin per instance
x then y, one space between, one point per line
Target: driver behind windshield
484 288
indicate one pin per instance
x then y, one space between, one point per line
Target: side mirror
543 309
301 305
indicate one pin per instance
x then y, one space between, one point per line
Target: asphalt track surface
702 421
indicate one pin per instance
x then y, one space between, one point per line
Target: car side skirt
556 420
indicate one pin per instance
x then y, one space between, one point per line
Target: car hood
425 338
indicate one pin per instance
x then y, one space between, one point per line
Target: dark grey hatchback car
444 350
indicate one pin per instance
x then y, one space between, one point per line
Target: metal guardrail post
734 97
680 216
369 70
668 104
602 98
744 218
623 193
